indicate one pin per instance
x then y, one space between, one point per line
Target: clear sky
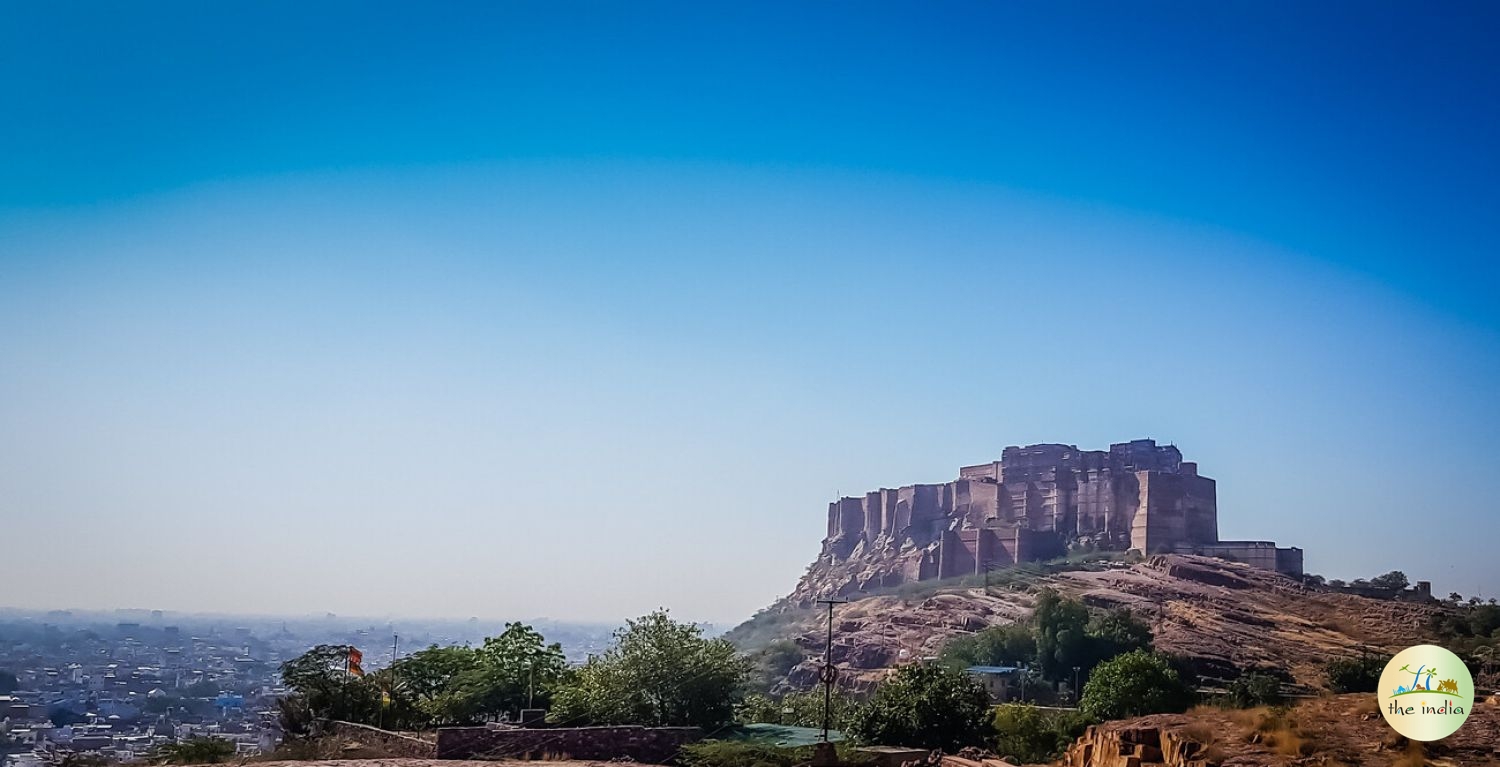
579 309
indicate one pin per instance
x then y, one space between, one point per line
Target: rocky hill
1340 730
1226 617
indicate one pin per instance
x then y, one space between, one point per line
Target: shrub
1255 689
925 707
1360 674
194 751
1030 735
751 753
735 753
1135 684
806 709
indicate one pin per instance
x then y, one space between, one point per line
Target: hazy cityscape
835 383
122 682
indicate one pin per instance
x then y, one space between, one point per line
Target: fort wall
1036 502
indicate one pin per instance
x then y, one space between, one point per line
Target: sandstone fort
1037 502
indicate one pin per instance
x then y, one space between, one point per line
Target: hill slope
1226 617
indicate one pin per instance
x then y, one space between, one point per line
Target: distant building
1003 683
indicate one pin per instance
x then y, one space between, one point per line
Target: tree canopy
430 687
1135 684
658 673
925 706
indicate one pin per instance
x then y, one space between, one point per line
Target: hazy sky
582 309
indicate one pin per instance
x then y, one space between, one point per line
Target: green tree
797 709
1255 689
419 687
515 670
1061 635
193 751
1009 645
1115 633
658 673
1361 674
1032 735
1134 684
925 706
319 677
1395 580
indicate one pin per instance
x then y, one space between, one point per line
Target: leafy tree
1116 633
1255 689
1360 674
1031 735
1061 635
515 670
319 676
1394 580
420 687
295 718
193 751
797 709
925 706
1135 684
658 673
1012 644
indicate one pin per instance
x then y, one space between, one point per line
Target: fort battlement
1037 502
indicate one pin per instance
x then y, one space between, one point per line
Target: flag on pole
355 658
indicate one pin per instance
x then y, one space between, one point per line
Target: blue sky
616 297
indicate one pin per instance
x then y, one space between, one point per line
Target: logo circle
1425 693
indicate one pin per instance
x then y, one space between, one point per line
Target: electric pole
829 674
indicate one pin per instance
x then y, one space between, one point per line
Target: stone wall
650 745
1033 504
393 743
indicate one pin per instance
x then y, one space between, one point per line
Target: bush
1031 735
1360 674
735 753
1135 684
1255 689
806 710
749 753
194 751
1008 645
925 707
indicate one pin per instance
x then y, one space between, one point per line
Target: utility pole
829 674
1075 685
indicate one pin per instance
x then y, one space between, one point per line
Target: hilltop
1225 617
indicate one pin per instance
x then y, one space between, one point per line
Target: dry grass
1274 728
1206 734
1413 756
